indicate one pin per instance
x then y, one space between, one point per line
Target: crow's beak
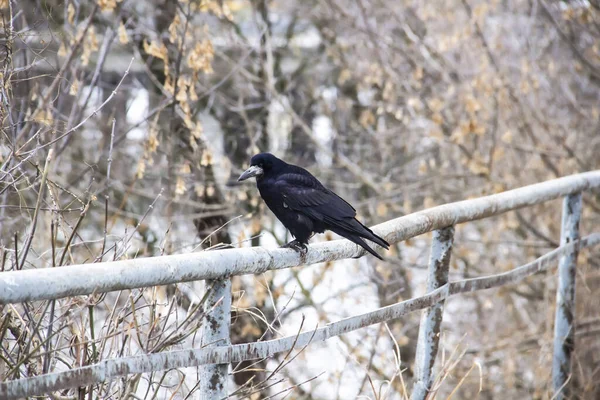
250 172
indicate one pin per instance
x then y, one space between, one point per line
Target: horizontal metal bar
113 368
54 283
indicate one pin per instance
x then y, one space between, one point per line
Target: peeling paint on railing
113 368
431 320
53 283
564 329
215 332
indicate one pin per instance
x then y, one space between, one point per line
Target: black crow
304 205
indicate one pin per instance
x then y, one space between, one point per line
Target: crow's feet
297 246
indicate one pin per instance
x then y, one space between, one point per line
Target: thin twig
108 99
37 209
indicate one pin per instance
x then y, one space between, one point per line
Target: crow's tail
369 234
354 231
359 241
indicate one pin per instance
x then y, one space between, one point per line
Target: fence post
564 328
431 319
215 332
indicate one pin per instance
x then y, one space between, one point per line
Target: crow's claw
297 246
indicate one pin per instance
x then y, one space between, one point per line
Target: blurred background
152 109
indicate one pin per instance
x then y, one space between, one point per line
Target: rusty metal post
215 332
564 327
431 319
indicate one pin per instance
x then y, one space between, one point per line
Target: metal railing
217 267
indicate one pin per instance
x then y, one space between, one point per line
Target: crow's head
260 165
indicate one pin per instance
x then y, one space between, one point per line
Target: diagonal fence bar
54 283
431 320
215 332
564 328
114 368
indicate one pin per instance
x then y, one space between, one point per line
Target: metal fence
217 267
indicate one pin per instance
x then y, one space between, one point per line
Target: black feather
305 206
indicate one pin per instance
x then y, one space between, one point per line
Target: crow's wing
303 193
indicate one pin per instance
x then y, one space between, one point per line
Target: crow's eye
260 165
